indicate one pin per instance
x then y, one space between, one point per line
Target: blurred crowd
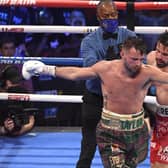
66 44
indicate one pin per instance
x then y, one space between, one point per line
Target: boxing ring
56 147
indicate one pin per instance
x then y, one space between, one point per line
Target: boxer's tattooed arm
105 101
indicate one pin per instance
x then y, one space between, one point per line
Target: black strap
130 15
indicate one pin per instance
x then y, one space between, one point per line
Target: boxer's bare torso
124 82
123 94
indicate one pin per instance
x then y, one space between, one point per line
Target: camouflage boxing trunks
122 139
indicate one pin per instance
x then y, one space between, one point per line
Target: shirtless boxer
122 134
159 141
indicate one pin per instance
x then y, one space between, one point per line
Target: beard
133 72
161 64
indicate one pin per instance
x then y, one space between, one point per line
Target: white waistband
161 106
122 122
122 116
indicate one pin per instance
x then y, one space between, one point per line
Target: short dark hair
135 42
101 1
105 1
163 38
11 73
7 39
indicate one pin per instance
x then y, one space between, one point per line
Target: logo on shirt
163 111
163 153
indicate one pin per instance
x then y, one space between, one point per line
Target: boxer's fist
36 68
32 68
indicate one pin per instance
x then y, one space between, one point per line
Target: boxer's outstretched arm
36 68
159 76
75 73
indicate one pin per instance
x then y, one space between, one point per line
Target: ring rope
55 98
82 4
47 60
75 29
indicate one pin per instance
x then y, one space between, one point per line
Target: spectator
159 143
43 44
15 16
69 45
151 18
8 48
17 118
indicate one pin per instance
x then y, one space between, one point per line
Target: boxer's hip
122 122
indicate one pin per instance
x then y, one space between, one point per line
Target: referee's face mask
107 15
109 25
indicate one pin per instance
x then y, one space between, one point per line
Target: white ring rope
75 29
41 97
55 98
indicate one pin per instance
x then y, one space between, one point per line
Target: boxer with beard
159 140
